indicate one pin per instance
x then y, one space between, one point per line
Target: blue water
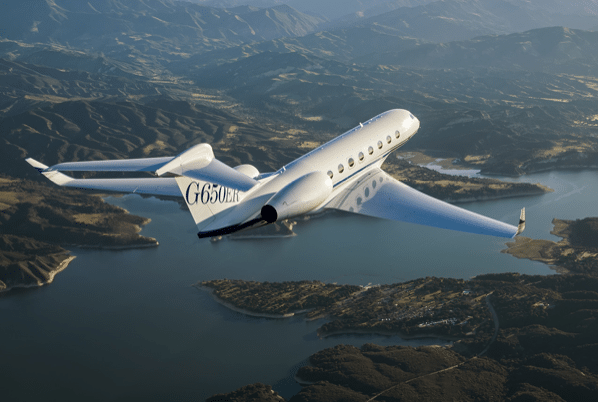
127 325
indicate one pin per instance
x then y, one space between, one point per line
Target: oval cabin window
370 150
380 144
330 174
360 156
351 162
397 133
341 168
388 139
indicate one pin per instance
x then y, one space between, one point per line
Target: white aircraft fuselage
339 162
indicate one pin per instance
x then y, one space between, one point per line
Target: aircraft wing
379 195
120 165
153 186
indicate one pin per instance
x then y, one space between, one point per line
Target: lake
127 325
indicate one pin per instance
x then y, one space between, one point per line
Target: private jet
343 174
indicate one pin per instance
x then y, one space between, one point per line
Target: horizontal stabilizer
153 186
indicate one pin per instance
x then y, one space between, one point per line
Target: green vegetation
577 252
254 392
279 298
518 337
544 347
457 188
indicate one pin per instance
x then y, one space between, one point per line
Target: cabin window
341 168
388 139
397 133
361 156
351 162
380 144
330 174
370 150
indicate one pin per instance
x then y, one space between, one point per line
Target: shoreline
246 312
257 237
329 334
534 171
61 267
387 333
114 248
465 200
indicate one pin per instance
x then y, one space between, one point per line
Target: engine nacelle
248 170
298 197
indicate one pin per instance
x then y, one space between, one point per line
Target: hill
36 222
94 130
150 28
445 21
519 338
556 50
450 17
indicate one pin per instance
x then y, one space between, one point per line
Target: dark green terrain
36 223
534 338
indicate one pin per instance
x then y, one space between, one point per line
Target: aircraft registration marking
210 194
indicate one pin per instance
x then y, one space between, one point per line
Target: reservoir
128 325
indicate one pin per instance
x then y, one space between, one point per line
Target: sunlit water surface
124 325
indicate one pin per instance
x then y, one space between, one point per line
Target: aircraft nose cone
414 125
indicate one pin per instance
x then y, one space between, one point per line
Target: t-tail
210 188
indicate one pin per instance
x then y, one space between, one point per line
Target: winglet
54 176
521 226
40 167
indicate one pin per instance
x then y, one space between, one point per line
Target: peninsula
445 308
457 189
577 252
36 222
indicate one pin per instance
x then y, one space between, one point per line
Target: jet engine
298 197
